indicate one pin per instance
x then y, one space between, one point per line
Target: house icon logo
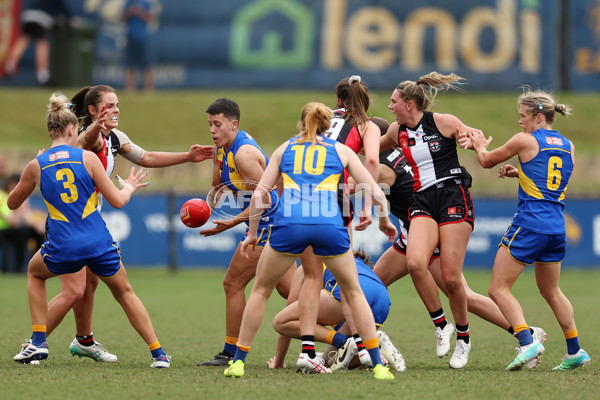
284 43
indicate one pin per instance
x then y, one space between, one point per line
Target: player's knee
231 285
493 293
123 293
549 294
415 267
452 284
73 294
278 323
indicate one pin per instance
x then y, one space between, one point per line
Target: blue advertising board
492 218
584 45
494 44
151 235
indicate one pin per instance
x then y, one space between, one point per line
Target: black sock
462 332
358 341
87 340
439 318
308 345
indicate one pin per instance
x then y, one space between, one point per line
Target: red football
194 213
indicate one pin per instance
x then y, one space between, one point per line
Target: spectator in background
17 229
137 14
36 23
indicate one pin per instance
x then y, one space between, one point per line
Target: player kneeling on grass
348 350
77 235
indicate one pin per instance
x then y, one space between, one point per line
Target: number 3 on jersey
306 162
68 179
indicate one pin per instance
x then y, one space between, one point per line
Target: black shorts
345 202
446 202
400 243
34 30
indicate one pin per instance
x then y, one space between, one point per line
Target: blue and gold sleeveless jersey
542 184
311 174
232 179
75 228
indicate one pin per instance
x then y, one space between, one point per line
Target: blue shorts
376 294
104 265
326 240
262 234
526 246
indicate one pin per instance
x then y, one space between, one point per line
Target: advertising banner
494 44
583 60
492 218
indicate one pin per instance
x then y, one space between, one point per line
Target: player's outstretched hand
200 153
478 140
101 120
134 180
220 226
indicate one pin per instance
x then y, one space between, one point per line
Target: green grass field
187 309
173 120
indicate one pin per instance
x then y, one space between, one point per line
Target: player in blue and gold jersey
98 109
537 234
330 313
310 166
77 235
239 163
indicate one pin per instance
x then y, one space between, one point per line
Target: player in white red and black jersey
442 211
432 155
352 127
396 173
98 106
400 182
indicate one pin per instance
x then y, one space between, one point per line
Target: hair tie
354 78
